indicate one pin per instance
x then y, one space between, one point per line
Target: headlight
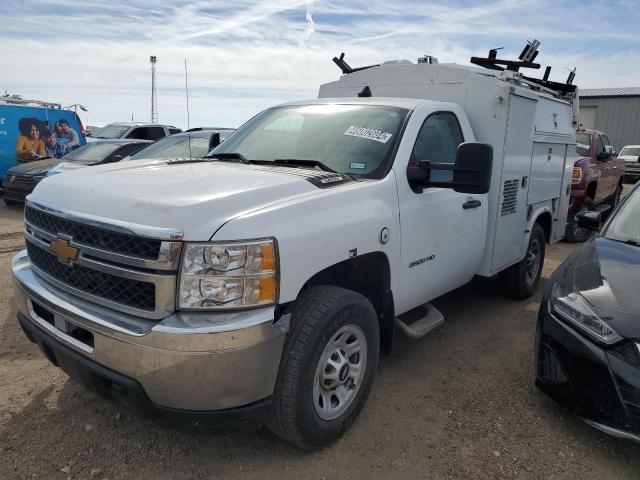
228 275
575 310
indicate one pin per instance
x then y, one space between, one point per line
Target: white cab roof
408 103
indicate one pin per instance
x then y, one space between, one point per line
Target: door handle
471 204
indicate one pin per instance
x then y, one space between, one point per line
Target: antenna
154 98
186 89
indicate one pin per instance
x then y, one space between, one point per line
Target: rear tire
11 203
521 280
329 361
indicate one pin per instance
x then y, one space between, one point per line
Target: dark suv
596 182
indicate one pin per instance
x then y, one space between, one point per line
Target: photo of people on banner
39 140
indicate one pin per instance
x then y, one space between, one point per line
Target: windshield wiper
303 163
630 242
229 156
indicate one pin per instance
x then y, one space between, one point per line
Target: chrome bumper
195 361
632 168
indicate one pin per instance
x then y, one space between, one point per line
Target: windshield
583 144
630 152
349 139
625 224
111 131
91 152
179 147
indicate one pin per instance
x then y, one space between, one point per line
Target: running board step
603 208
421 320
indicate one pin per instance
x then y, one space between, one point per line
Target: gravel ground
459 403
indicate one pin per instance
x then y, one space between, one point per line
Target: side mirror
471 170
474 163
589 220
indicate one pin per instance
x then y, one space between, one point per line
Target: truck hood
196 198
39 167
606 275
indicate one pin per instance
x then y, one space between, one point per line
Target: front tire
521 280
11 203
327 369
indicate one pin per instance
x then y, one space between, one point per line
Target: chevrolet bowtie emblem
61 248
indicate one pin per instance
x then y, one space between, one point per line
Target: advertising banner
33 133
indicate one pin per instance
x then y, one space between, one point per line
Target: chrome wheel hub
340 372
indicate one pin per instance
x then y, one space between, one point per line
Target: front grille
632 167
20 182
90 236
131 293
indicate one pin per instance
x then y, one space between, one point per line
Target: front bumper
197 363
587 378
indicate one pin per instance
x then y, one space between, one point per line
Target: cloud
246 55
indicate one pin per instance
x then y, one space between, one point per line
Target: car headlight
228 275
573 309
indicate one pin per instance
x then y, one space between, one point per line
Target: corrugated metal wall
619 117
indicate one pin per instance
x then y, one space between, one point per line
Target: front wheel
327 369
521 279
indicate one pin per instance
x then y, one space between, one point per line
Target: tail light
576 178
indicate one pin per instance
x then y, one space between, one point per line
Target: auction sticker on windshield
369 133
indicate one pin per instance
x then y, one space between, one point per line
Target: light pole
154 100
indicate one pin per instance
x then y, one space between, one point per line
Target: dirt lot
459 403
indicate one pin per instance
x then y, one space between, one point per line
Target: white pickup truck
263 283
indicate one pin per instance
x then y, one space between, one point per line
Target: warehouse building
615 111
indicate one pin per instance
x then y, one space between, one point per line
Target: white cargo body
530 129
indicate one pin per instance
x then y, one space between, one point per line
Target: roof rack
525 60
18 100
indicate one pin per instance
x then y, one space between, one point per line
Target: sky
244 56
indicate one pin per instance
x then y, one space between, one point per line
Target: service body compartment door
547 169
511 215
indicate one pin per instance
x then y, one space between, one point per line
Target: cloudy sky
246 55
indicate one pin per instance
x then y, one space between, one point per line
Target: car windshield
583 144
625 224
183 146
91 152
349 139
111 131
630 152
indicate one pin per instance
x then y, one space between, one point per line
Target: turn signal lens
577 176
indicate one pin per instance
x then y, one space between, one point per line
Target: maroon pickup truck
597 180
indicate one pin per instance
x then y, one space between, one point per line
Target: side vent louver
509 197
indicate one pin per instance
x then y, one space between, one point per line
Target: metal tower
154 95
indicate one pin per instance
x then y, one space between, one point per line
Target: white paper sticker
582 145
369 133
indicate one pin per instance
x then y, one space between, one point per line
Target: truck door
443 232
611 169
603 167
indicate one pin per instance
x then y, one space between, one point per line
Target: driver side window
438 142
